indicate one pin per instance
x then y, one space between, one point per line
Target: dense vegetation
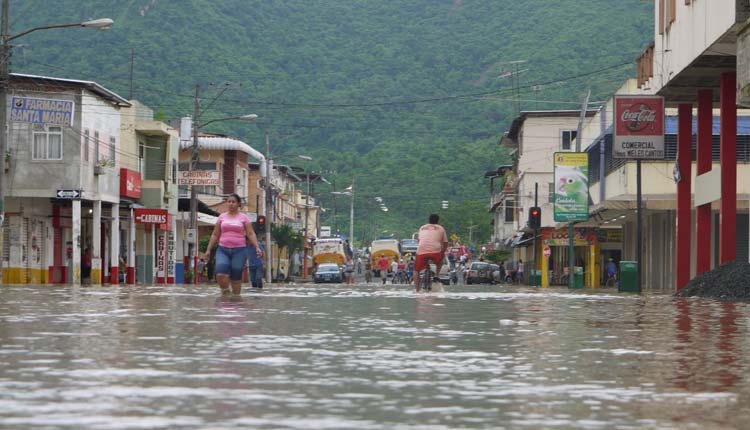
408 98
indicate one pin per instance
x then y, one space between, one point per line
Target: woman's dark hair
236 197
434 218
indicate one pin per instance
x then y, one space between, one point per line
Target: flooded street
369 357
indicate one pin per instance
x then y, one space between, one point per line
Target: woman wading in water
232 231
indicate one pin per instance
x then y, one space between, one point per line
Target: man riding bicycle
432 245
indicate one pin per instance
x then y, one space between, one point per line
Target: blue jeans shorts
231 261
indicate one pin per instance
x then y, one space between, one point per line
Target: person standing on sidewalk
230 231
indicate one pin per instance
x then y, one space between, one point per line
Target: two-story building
537 136
693 65
61 174
148 180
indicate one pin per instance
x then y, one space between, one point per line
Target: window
509 206
174 171
551 189
141 158
96 146
86 144
566 139
112 150
47 143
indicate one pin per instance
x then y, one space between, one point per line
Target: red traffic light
261 220
535 217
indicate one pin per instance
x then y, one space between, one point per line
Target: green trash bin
628 282
535 278
577 277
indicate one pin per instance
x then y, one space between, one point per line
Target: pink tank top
232 230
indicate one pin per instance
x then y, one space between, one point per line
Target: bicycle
399 278
426 276
611 280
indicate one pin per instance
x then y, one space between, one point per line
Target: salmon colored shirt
431 239
232 230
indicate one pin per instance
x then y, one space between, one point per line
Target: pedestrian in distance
383 266
232 231
255 265
122 268
349 271
611 273
201 268
368 271
519 271
86 266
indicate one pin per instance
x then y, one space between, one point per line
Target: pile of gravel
730 281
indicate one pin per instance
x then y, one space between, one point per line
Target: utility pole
4 85
268 208
307 211
335 223
351 219
471 228
132 62
571 229
193 246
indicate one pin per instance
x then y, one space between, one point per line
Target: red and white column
728 161
703 165
684 224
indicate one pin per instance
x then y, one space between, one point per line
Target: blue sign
42 111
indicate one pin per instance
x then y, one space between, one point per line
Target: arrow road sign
68 194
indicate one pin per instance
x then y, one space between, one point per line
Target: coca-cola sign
638 127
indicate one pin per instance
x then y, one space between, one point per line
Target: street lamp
192 246
349 191
101 24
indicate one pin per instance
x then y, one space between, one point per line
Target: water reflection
362 357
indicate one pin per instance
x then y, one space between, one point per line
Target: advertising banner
639 127
130 183
571 186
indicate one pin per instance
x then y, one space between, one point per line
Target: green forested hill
408 97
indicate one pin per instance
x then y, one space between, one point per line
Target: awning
206 219
183 205
526 240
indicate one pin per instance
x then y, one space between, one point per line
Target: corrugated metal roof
90 85
218 143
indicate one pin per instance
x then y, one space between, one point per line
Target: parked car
479 272
328 272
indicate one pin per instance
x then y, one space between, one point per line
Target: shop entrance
606 254
559 268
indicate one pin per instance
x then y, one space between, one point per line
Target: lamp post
5 50
349 192
307 212
192 246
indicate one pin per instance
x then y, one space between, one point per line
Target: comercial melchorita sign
638 127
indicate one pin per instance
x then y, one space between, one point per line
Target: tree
286 237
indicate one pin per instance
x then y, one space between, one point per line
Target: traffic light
535 217
259 226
